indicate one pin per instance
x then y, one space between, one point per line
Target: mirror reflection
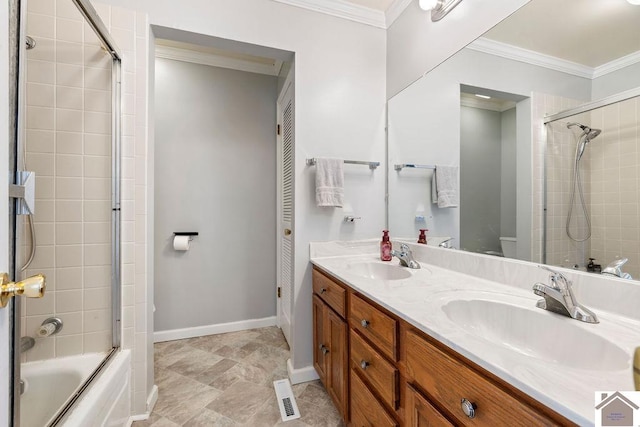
483 110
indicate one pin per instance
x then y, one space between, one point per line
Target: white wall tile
97 145
69 165
97 189
97 122
42 164
40 141
69 233
69 278
98 101
68 142
97 299
68 256
67 9
40 95
96 320
69 188
69 30
68 301
97 210
97 254
69 75
45 50
72 323
69 345
97 78
97 232
69 97
68 210
42 6
40 71
69 53
40 118
97 276
69 120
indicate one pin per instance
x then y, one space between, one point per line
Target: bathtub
50 384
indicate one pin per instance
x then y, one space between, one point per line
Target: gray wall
508 179
480 164
215 173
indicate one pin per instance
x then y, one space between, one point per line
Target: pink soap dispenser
385 247
422 238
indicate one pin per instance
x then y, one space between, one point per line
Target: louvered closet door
285 262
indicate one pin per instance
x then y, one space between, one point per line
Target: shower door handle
31 287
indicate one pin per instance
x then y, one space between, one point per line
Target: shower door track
589 106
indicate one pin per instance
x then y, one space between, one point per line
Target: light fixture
440 8
634 2
482 96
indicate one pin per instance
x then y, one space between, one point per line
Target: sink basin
538 334
379 271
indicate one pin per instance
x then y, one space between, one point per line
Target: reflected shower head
588 132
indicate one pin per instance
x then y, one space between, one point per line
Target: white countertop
565 382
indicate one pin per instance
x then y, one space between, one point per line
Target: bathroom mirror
532 64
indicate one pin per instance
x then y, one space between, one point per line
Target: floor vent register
286 401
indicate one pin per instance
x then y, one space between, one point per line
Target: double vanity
460 341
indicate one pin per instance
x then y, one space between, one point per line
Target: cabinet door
320 344
420 413
366 411
338 362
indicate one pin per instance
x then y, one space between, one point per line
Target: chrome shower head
588 132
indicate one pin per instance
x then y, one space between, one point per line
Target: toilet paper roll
46 330
181 243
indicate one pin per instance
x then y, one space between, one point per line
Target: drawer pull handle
323 290
364 323
324 349
469 408
364 365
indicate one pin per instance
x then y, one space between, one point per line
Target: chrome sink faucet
558 297
405 256
615 269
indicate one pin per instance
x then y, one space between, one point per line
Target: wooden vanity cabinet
330 341
382 371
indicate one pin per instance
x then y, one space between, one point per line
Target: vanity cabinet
330 339
385 372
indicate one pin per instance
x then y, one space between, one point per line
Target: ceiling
609 29
381 5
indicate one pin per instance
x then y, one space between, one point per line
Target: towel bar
372 165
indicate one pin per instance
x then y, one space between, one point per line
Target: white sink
379 271
537 333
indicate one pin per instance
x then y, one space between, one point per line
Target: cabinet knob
324 349
469 408
364 364
323 290
364 323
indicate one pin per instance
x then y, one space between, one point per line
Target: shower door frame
17 49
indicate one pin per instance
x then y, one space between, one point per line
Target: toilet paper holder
186 233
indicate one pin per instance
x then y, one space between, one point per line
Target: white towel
444 186
330 182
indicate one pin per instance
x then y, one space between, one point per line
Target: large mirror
483 111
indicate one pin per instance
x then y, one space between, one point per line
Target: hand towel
444 186
329 182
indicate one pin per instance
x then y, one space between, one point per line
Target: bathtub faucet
26 343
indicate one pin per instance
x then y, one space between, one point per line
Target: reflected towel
329 182
444 186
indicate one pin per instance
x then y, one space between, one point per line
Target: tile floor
227 380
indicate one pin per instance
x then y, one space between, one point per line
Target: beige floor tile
227 380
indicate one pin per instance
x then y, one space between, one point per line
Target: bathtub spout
26 343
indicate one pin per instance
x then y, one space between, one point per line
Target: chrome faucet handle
615 268
557 276
405 248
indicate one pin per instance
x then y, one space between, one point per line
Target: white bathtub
49 384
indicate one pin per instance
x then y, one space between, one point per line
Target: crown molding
214 60
616 64
395 10
342 9
508 51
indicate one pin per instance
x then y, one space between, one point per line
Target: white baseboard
199 331
302 375
151 402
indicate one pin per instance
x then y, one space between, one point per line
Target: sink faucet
405 256
446 243
615 269
558 297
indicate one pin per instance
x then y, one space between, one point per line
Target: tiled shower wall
68 145
611 183
55 25
615 186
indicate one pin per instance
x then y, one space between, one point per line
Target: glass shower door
68 140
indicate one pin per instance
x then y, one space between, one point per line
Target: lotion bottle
422 238
385 247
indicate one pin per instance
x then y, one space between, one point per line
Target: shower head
588 132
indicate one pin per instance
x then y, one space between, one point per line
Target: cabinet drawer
381 375
448 381
366 411
373 324
420 413
333 294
